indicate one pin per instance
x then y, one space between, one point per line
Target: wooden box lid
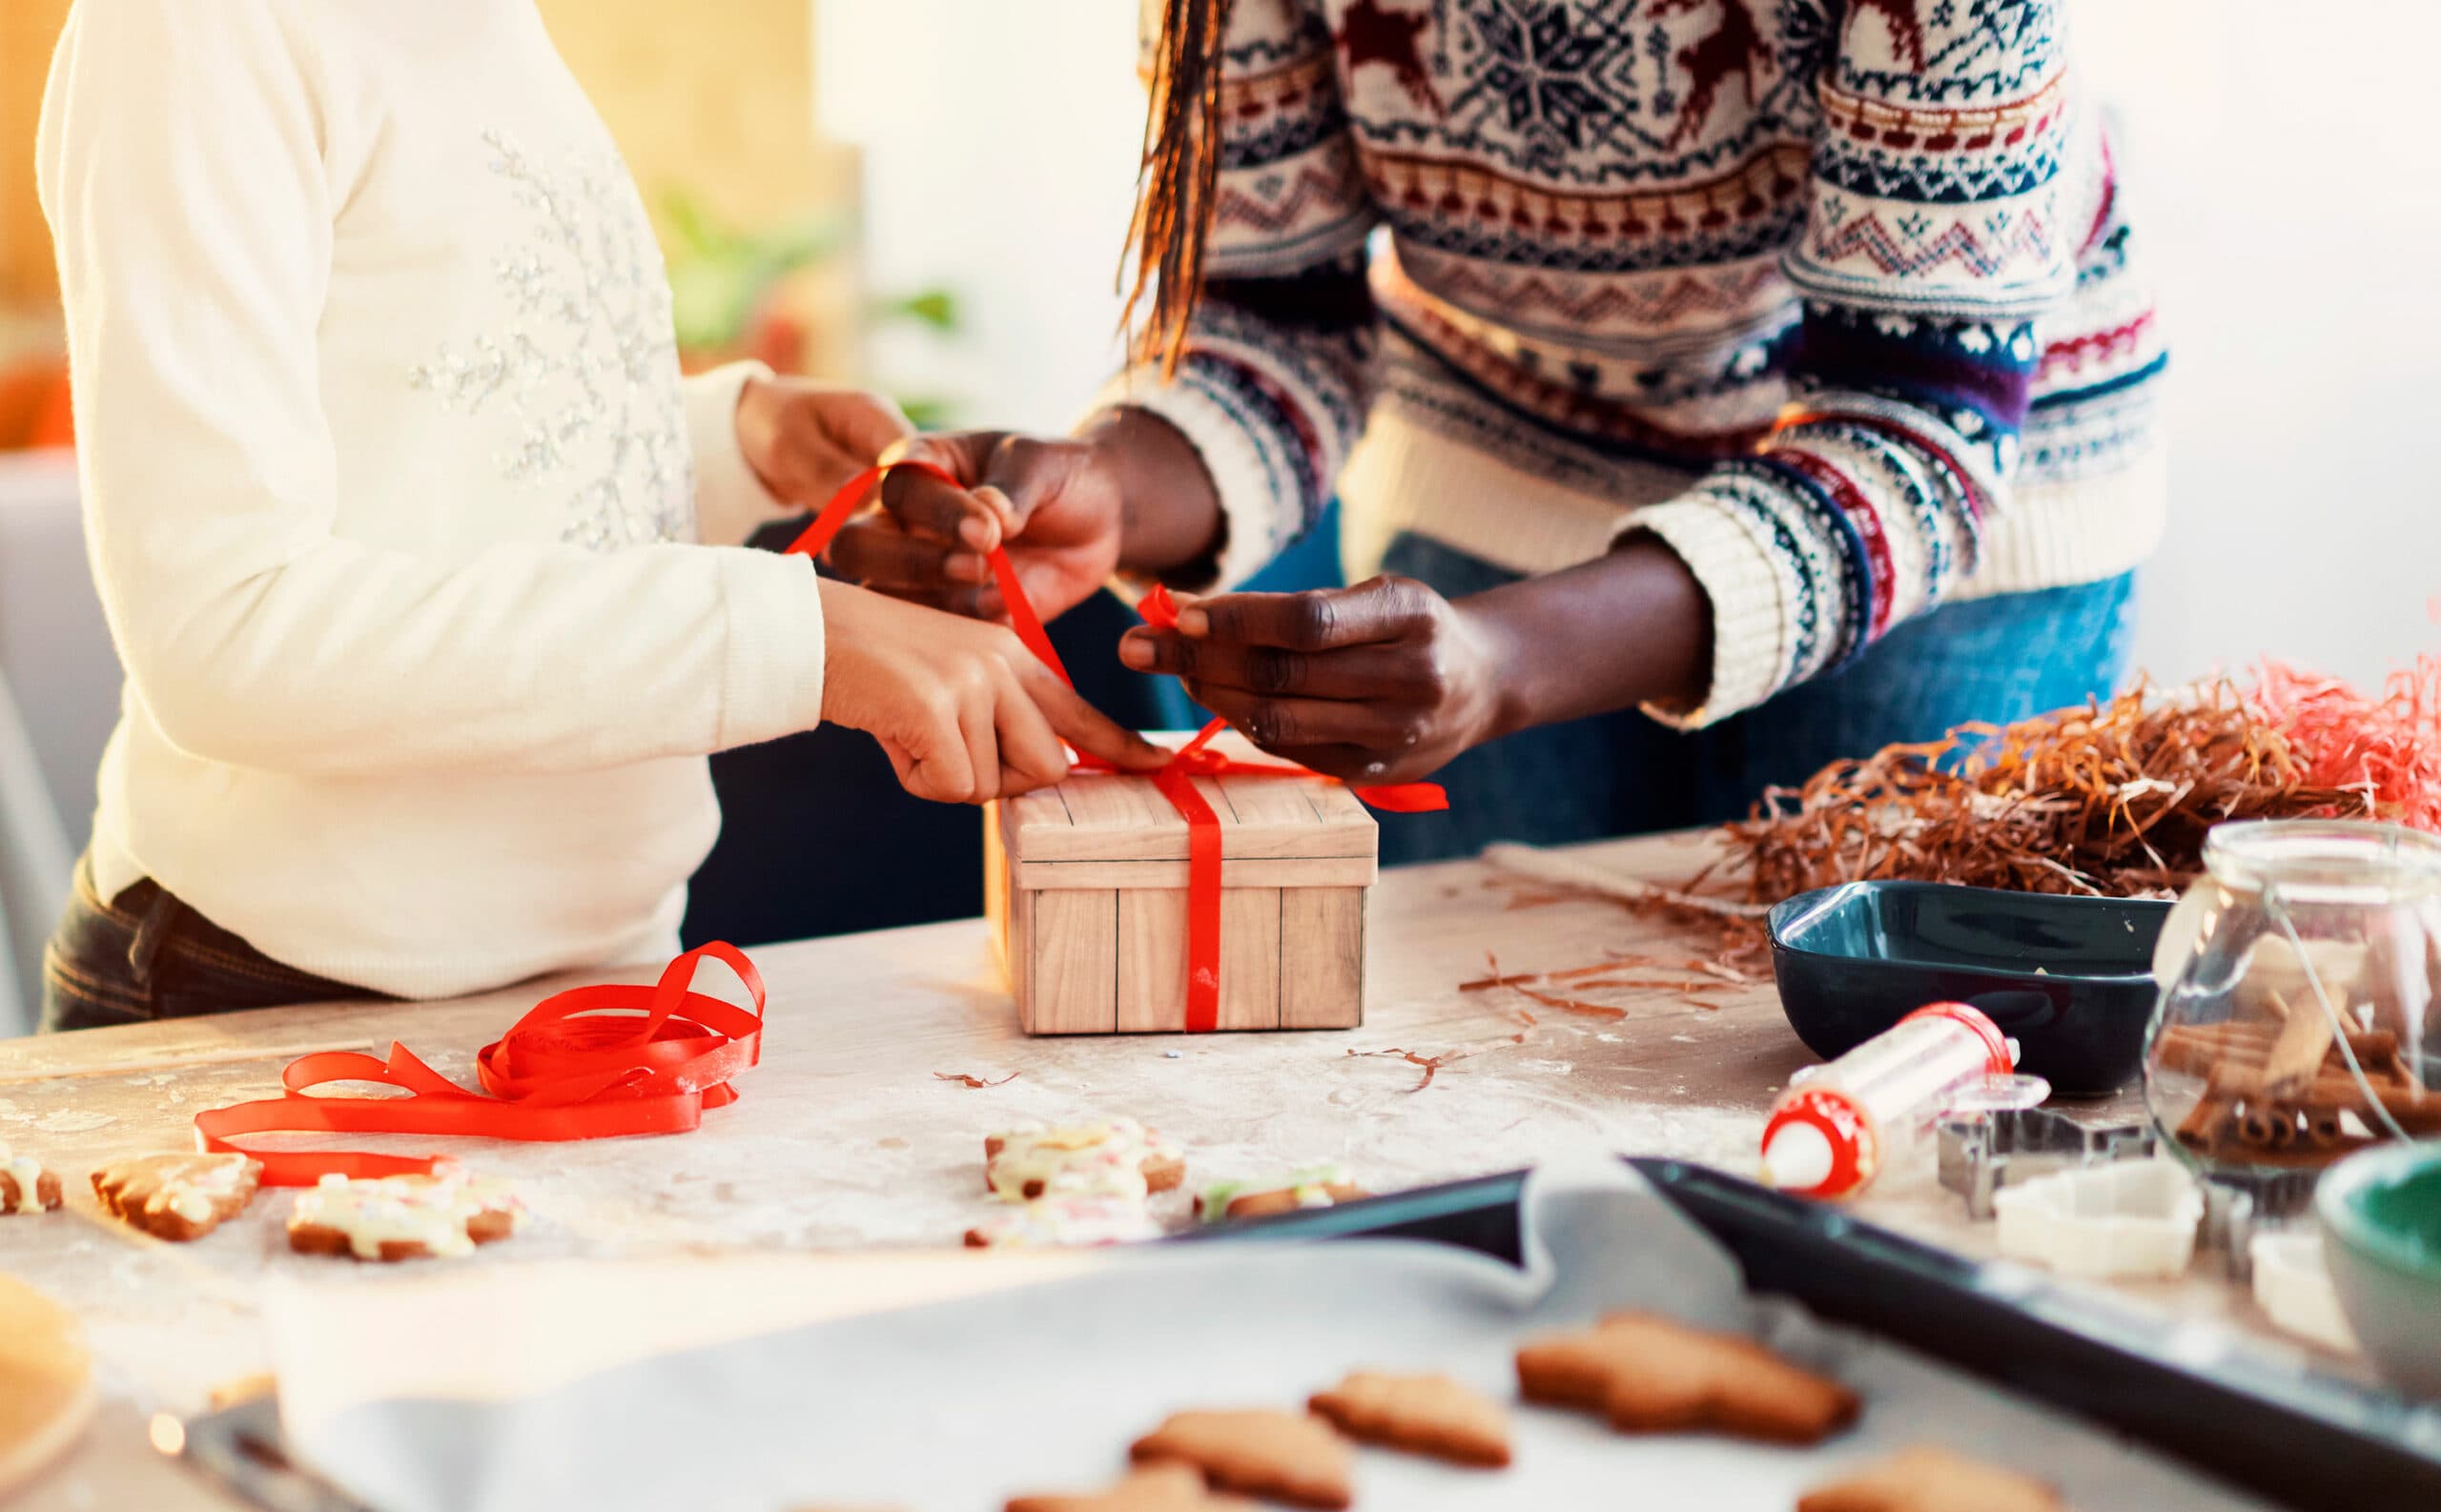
1105 831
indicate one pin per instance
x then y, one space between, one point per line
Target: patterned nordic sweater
1834 299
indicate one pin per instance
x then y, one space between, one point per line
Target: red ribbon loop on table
589 1063
1174 780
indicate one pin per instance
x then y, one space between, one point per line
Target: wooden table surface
848 1137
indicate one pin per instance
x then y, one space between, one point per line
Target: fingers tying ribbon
1174 780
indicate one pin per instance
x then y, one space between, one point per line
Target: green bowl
2380 1215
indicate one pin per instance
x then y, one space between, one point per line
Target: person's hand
1382 683
1055 502
804 440
963 710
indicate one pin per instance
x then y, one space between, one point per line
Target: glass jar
2298 1021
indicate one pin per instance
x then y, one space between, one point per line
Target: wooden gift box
1085 888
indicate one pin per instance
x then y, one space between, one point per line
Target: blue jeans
1996 659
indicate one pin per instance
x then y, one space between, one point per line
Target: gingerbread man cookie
1928 1480
177 1196
1651 1374
1154 1488
1066 1223
25 1186
445 1215
1117 1158
1280 1456
1429 1415
1314 1187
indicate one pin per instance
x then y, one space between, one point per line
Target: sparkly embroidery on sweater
587 363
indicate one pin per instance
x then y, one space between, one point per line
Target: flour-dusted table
853 1134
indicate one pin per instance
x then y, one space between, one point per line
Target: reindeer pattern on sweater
1806 289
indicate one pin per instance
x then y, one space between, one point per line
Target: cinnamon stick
2297 1053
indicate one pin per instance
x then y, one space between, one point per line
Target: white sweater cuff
1749 647
774 674
731 502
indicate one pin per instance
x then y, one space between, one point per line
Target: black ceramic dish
2071 979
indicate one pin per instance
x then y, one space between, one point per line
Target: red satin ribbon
1174 780
589 1063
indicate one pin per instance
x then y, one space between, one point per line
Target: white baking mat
932 1382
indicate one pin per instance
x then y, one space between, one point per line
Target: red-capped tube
1832 1131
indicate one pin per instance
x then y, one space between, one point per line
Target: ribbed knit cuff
1235 462
772 674
731 502
1749 636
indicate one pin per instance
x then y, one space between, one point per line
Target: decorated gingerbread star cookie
25 1186
1117 1158
445 1215
1314 1187
177 1196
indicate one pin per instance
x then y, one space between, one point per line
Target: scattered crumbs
1172 1055
69 1121
1607 1039
965 1080
892 1142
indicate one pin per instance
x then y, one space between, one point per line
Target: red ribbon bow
589 1063
1175 778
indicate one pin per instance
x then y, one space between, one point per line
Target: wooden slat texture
1152 959
1322 955
1073 951
1308 871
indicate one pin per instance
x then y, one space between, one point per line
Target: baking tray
2234 1409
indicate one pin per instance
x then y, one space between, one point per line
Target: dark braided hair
1175 183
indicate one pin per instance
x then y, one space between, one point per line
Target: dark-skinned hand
1050 500
1381 683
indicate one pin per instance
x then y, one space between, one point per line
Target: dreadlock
1174 182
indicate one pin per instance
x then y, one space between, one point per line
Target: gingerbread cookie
1429 1414
1153 1488
1280 1456
1066 1223
1650 1375
1314 1187
1117 1158
445 1215
25 1186
1929 1479
177 1196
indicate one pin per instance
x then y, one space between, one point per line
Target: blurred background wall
928 195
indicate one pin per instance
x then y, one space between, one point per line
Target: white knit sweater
394 494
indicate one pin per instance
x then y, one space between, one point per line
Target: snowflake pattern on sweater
1847 277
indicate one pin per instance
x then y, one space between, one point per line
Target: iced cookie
1650 1375
1154 1488
177 1196
1280 1456
1066 1223
1117 1158
1928 1480
1429 1415
1314 1187
445 1215
25 1186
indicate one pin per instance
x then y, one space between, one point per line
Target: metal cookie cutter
1980 1152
